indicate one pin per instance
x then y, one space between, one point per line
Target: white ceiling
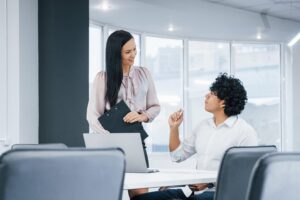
284 9
204 19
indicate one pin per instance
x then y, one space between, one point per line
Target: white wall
22 72
29 71
3 72
296 95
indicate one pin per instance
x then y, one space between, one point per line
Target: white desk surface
168 177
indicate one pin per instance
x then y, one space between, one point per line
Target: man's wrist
174 128
210 185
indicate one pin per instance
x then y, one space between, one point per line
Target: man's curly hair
232 91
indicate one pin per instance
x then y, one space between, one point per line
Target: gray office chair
275 177
62 174
235 170
39 146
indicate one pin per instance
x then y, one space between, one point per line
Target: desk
168 177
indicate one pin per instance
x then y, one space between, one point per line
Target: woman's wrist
144 117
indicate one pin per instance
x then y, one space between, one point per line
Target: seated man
211 138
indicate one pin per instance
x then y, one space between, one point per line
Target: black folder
112 120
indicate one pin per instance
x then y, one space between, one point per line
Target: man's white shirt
209 142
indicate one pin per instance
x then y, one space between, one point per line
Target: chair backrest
39 146
62 174
235 170
275 177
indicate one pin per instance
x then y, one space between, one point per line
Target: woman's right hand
176 119
133 116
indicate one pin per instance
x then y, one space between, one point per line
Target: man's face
213 103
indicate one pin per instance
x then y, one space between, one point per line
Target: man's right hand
176 119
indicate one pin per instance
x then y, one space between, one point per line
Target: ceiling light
258 36
171 28
294 40
104 6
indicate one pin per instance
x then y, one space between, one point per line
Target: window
164 59
205 61
137 38
258 66
184 84
95 52
3 73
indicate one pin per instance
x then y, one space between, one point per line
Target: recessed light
258 36
171 28
294 40
104 6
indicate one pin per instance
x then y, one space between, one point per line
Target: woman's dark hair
114 69
232 91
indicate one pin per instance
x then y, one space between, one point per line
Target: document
112 120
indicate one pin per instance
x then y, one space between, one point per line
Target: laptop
131 144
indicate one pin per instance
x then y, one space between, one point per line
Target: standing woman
123 81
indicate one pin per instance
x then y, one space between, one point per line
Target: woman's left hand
135 117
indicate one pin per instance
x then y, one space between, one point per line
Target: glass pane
258 66
95 52
164 59
137 39
206 61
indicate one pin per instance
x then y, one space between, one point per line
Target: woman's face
128 53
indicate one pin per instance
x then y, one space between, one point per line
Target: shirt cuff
176 154
150 119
